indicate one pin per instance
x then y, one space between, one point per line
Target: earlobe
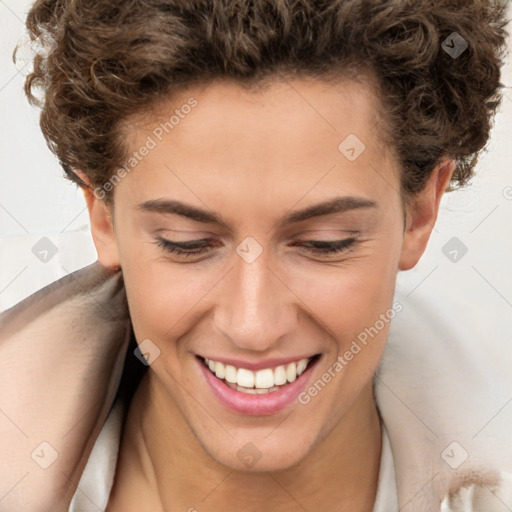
102 226
422 215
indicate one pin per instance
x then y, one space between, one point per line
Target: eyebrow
332 206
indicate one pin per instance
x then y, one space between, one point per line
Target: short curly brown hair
117 58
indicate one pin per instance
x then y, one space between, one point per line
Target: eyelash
198 247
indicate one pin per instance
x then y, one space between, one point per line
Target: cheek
162 298
350 298
354 305
159 293
356 308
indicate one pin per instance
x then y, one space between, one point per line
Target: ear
422 215
102 225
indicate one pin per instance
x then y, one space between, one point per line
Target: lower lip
256 405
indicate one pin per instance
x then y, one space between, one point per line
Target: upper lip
259 365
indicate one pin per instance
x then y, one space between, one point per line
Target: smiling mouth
260 382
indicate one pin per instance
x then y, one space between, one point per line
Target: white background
36 201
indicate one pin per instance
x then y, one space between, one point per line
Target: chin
257 461
263 453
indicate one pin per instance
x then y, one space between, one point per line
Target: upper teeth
261 379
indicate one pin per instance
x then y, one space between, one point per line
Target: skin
252 158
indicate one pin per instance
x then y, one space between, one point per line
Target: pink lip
256 405
260 365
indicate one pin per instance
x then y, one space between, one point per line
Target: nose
256 308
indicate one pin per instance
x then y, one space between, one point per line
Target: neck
162 466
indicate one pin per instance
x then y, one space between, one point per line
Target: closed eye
188 248
326 247
203 245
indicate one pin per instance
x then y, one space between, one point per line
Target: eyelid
324 248
192 244
352 232
327 247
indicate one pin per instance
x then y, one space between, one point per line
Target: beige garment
441 392
61 357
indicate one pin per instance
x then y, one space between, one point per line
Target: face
257 233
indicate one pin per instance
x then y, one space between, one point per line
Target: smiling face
295 240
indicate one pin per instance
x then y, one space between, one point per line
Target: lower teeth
253 391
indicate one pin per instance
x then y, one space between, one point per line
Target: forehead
289 134
312 105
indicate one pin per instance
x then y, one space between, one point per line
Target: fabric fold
65 354
61 358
